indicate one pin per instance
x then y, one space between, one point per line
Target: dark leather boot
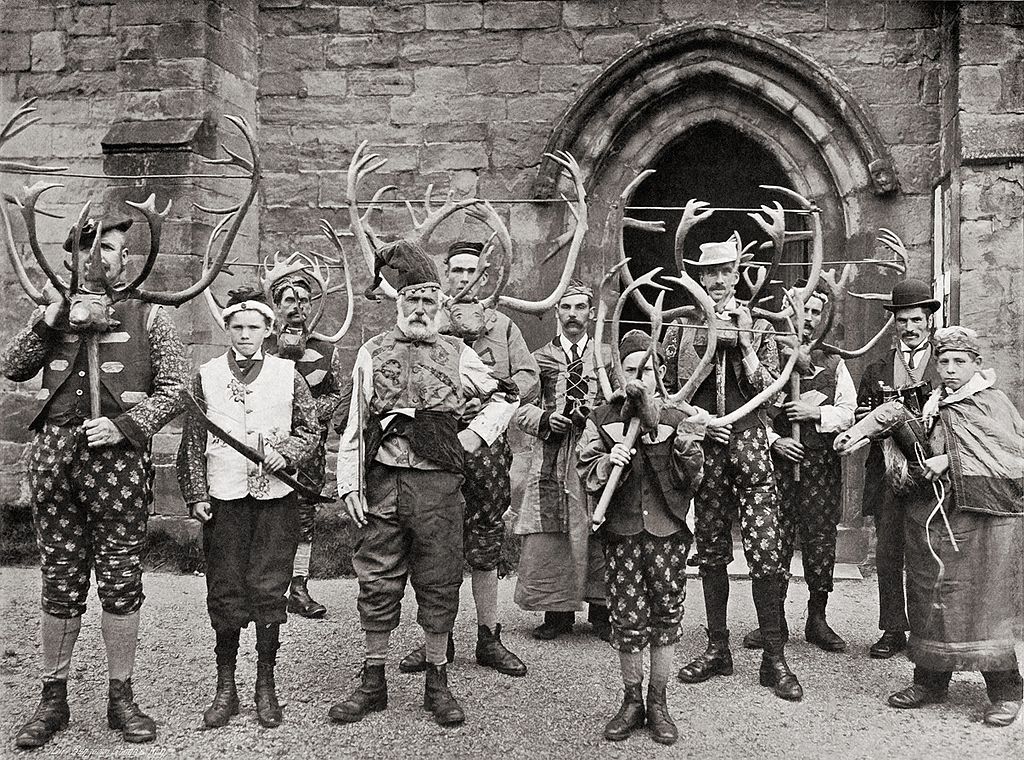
268 711
416 660
50 716
301 603
754 640
225 699
491 653
888 645
659 721
438 699
716 660
370 696
124 715
631 715
775 673
1002 713
817 631
597 615
916 695
555 624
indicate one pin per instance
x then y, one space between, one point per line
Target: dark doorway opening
717 163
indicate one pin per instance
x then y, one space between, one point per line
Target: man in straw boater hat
401 460
910 363
812 506
561 565
90 478
487 488
646 539
250 514
291 289
964 571
739 476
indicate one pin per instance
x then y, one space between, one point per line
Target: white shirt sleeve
496 413
837 417
349 445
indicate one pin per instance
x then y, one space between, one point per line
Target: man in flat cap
561 564
487 489
910 363
401 461
90 477
739 476
291 289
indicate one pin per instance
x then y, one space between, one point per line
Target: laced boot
50 716
491 653
716 660
268 711
225 699
775 672
416 660
438 699
818 631
659 720
124 715
301 603
370 696
630 716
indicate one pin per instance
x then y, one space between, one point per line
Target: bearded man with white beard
400 473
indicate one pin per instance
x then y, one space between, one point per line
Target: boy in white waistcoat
250 517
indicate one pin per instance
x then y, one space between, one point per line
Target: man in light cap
739 477
964 600
401 460
910 364
487 488
561 565
291 292
90 479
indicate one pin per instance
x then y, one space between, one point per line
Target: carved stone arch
680 60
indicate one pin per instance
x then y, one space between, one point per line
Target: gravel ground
558 710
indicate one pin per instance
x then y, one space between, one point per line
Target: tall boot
416 660
491 653
268 641
301 603
225 700
124 715
716 660
755 639
659 720
775 672
818 631
370 696
50 716
630 716
597 615
438 699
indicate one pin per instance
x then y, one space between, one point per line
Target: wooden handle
794 393
613 480
92 348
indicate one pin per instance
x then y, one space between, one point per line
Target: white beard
419 331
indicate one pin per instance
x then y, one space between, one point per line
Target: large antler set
91 299
499 247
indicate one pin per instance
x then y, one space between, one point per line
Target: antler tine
18 122
249 166
358 168
176 298
16 263
773 223
27 207
431 221
76 247
485 213
155 220
648 279
602 316
209 298
694 213
331 235
580 214
707 305
482 266
617 221
854 353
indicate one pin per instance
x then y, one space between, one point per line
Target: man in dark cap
910 363
90 477
487 488
291 288
401 460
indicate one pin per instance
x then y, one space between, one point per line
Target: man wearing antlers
487 488
291 289
90 477
401 461
739 475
